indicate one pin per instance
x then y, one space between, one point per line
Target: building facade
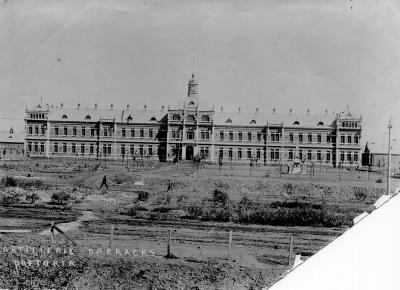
190 128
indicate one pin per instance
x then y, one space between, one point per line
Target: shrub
32 197
379 180
360 193
10 198
9 181
60 197
143 195
219 195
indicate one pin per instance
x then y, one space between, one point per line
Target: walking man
104 182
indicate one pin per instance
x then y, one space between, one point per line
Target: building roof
257 119
7 137
119 115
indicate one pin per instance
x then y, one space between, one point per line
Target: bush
10 198
379 180
143 195
9 181
60 197
32 197
219 195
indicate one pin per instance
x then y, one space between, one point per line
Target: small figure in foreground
104 182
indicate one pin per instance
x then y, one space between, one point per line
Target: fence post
169 244
111 235
230 244
52 232
290 249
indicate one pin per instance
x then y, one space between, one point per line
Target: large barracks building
191 128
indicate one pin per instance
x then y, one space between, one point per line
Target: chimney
79 105
326 112
61 105
308 111
112 106
273 111
145 107
256 110
239 109
290 111
222 109
127 106
162 108
95 106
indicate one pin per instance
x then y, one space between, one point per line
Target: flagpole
388 173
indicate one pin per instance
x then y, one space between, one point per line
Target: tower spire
192 87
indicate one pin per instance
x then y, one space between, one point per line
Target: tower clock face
192 89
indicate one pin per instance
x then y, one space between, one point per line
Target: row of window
239 153
191 118
105 150
106 132
37 116
350 124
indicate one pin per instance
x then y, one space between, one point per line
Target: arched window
64 116
320 123
228 121
296 123
190 118
129 118
153 119
88 117
176 117
253 122
205 118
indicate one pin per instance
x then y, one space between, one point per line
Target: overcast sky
299 54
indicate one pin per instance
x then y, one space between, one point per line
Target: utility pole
388 173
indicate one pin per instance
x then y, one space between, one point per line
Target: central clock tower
192 87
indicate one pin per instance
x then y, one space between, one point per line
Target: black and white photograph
199 145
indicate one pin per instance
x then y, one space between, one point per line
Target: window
275 136
258 153
92 131
129 118
309 138
205 135
240 136
290 154
290 137
43 129
64 147
205 118
109 149
30 130
73 148
150 133
296 123
328 138
228 121
342 138
190 118
191 103
248 153
355 157
105 132
123 149
132 149
240 153
82 148
221 135
253 122
301 154
150 150
328 156
348 156
175 134
141 132
319 155
355 139
83 131
176 117
320 123
300 137
276 154
36 130
341 156
259 136
132 133
230 135
91 149
272 154
190 135
123 132
105 149
319 138
41 147
249 136
230 153
56 147
65 131
221 152
29 146
64 117
36 147
74 131
141 150
153 119
88 117
349 139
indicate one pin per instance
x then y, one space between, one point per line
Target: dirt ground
97 219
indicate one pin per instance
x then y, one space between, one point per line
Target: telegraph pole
388 173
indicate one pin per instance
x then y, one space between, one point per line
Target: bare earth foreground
121 234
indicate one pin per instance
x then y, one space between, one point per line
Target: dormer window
190 118
64 116
205 118
129 118
153 119
253 122
176 117
88 117
228 121
320 123
191 103
296 123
